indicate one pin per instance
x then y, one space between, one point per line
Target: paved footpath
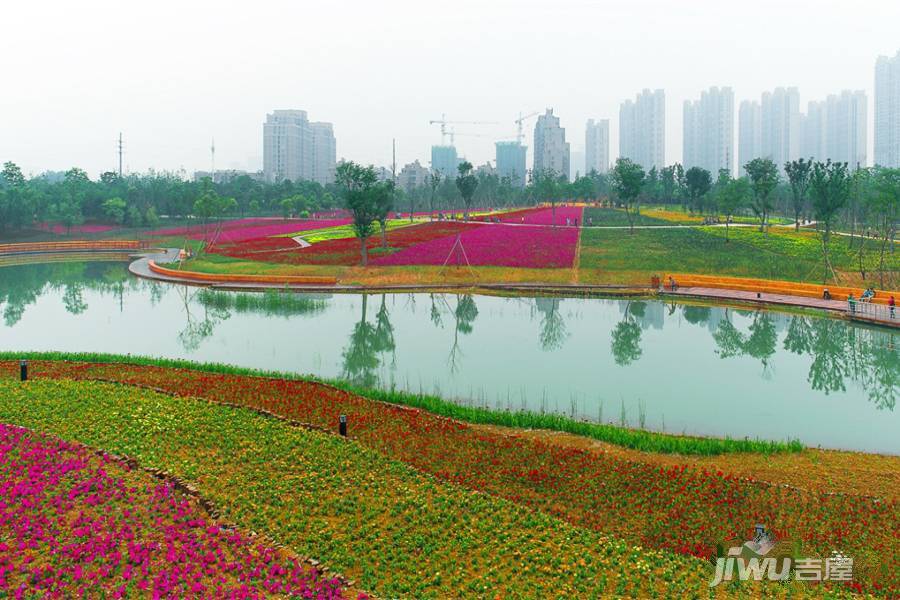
875 314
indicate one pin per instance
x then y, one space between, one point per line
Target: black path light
23 370
343 425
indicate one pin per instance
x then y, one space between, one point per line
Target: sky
171 76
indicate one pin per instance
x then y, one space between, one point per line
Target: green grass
636 439
613 217
396 531
342 231
749 253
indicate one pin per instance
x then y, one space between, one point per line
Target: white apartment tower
596 146
836 128
887 111
642 129
749 133
551 150
709 131
294 148
813 126
846 122
780 113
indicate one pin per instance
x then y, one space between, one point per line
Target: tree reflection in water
626 336
553 328
367 342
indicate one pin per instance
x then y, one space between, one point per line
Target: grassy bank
636 439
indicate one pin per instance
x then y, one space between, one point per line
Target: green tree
763 175
884 206
829 186
467 183
358 187
384 203
114 208
699 182
627 181
798 172
434 182
732 197
287 207
16 198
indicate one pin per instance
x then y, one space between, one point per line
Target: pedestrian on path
892 305
851 303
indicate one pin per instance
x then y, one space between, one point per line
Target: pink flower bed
198 229
75 524
544 216
237 235
495 245
59 228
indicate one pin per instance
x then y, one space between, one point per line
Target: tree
16 206
287 207
384 204
699 182
434 182
652 185
114 208
763 175
627 181
546 183
467 183
829 186
732 196
798 177
885 209
358 187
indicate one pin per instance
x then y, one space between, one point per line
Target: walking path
869 313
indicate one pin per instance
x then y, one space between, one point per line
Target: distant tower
212 152
120 155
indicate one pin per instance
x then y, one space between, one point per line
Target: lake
674 367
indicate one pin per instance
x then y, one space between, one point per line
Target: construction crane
520 137
443 122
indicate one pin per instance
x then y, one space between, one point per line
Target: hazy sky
172 75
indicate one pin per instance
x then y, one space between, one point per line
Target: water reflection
626 335
838 357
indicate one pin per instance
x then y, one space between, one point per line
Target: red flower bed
679 508
338 252
77 524
544 216
495 245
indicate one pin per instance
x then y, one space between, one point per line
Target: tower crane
444 122
521 136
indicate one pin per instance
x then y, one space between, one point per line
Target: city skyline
212 83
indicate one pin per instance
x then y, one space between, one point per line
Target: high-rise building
642 129
294 148
709 131
412 176
551 150
511 162
836 129
887 111
812 131
596 146
324 150
749 133
444 160
846 123
781 125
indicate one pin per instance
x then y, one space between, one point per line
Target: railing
879 312
73 246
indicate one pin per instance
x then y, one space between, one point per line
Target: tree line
864 202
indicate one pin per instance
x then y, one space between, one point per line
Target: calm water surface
673 367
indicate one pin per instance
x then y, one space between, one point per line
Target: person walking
892 305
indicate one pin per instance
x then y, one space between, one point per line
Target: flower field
78 523
543 216
341 251
673 507
495 245
396 531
